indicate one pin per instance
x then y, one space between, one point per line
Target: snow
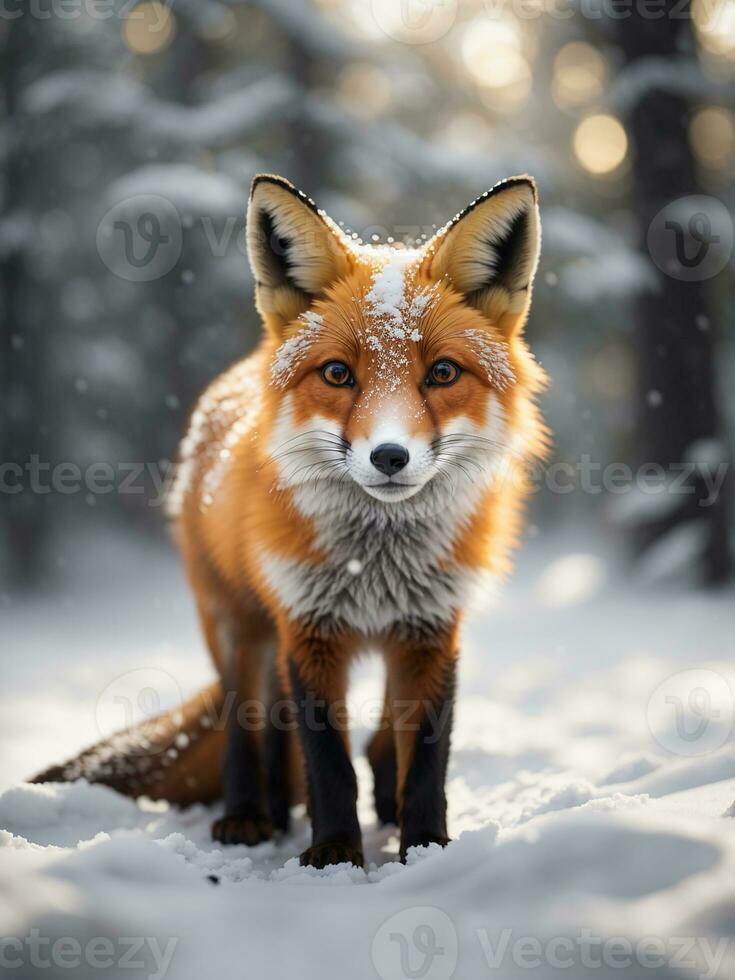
682 76
493 357
387 295
599 262
191 190
224 415
93 99
293 351
589 827
394 305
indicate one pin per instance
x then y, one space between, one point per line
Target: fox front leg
421 681
317 670
245 819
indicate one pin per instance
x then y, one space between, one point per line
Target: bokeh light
600 143
365 89
580 74
419 22
465 132
715 24
492 54
149 28
712 135
491 50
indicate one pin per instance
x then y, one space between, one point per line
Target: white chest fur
386 563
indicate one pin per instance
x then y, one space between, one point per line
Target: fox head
397 369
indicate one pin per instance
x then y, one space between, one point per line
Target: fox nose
389 458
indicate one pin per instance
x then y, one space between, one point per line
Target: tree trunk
675 330
25 516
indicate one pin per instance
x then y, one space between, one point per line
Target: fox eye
443 373
337 374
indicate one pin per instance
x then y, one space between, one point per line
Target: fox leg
317 671
381 754
421 680
279 752
239 642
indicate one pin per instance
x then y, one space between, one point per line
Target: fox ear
489 252
295 251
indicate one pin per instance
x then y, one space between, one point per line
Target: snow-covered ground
593 764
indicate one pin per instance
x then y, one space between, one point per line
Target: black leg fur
424 810
245 820
381 753
331 783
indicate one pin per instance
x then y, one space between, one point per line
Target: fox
347 487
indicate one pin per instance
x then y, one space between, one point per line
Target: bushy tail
176 756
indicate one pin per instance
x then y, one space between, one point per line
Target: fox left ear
490 251
295 251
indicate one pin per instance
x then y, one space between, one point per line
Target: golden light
600 143
407 21
712 135
465 132
364 89
149 28
715 24
580 74
491 51
511 97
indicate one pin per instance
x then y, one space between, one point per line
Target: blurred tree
184 103
23 351
680 421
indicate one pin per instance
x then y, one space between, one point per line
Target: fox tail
175 756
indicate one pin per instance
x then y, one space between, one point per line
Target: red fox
345 487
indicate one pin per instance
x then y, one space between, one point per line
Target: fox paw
242 830
419 840
320 855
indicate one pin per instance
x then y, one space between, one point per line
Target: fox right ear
489 252
295 250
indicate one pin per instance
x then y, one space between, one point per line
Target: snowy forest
130 134
591 778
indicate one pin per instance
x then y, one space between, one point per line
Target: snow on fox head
393 368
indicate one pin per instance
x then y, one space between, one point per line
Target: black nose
389 458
